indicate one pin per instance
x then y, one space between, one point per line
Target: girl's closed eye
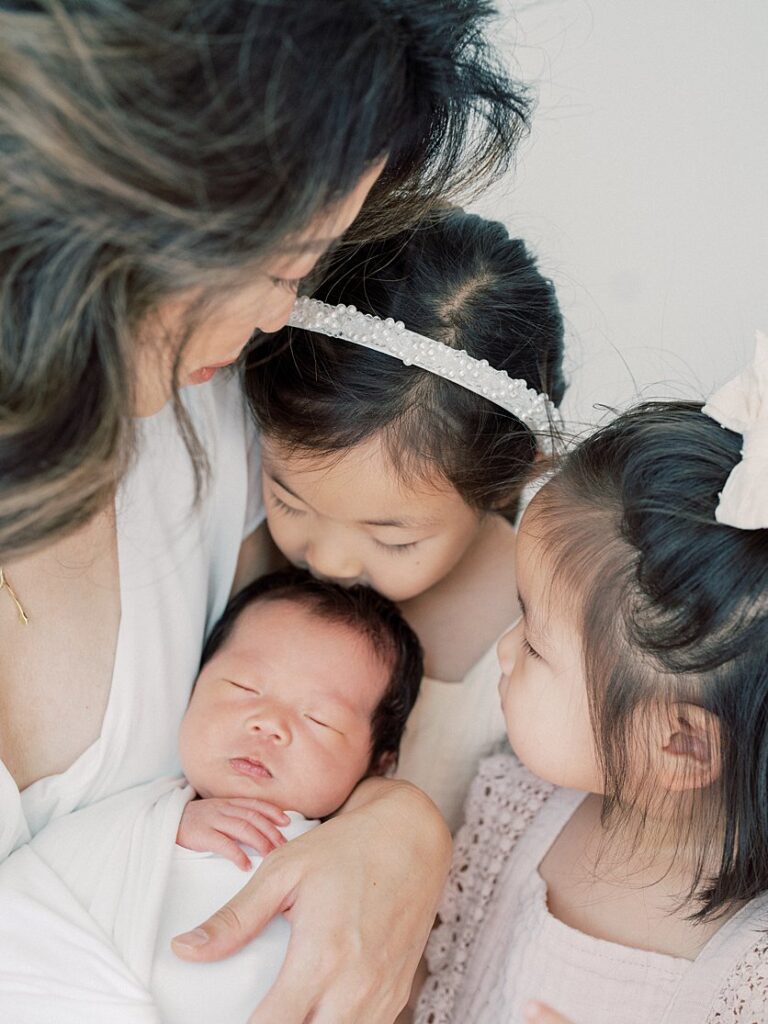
284 507
396 549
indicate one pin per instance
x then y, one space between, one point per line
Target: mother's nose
277 312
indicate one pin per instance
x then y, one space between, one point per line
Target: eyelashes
240 686
288 509
286 283
316 721
393 549
530 650
396 549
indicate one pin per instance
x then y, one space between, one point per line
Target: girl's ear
688 747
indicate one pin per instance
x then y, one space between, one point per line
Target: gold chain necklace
5 585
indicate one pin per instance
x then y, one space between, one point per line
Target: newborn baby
305 689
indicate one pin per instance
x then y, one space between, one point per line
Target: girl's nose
508 647
333 561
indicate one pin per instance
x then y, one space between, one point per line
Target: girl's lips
249 766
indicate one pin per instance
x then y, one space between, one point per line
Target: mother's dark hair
149 147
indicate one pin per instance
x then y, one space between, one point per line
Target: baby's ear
386 764
688 745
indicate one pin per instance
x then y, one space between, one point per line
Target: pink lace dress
497 946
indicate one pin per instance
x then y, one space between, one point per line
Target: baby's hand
218 825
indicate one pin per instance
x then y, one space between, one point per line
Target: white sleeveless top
547 960
451 728
176 565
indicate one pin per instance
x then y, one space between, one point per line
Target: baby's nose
270 724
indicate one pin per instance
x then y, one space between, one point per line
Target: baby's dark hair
461 280
361 609
672 606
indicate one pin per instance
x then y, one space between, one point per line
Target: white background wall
643 186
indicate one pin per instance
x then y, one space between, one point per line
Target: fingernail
193 939
531 1011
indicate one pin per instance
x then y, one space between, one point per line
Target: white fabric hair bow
741 405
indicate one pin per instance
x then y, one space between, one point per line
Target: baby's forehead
308 651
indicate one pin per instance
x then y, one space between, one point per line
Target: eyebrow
403 522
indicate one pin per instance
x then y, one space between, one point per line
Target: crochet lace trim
503 801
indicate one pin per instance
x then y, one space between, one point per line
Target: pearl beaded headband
392 338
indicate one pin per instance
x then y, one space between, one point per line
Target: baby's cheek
336 772
186 743
194 747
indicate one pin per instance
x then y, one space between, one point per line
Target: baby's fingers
260 835
223 844
267 810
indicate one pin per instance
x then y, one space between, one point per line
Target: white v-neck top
176 563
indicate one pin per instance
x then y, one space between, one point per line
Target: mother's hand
361 893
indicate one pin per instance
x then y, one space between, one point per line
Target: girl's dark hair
151 147
361 609
671 605
461 280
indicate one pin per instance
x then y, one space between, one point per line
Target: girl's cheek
283 537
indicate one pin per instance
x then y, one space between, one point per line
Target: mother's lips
250 766
204 373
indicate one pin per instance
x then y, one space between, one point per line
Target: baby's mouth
250 766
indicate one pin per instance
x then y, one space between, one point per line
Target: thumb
540 1013
237 922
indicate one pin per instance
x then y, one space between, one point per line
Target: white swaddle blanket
82 905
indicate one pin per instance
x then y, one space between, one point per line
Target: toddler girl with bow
616 865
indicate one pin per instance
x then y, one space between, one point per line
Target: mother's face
225 326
